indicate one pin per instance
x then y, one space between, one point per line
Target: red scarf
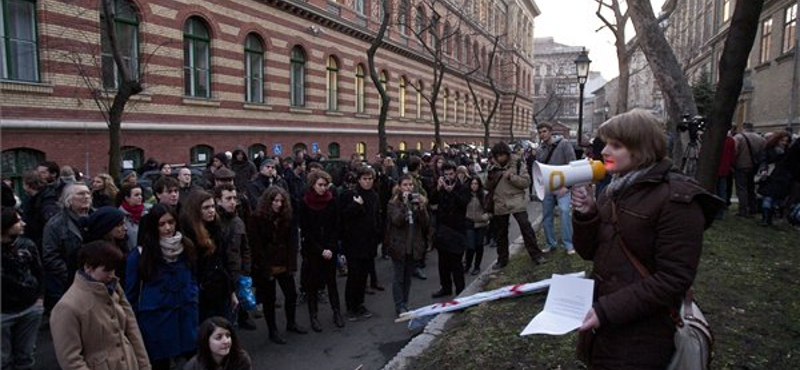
315 201
134 212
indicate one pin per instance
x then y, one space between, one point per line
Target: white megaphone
547 179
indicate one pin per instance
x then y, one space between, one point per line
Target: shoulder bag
693 337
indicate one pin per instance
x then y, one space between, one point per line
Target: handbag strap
688 297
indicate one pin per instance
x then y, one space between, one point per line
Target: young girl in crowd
218 348
275 258
162 288
200 223
93 326
478 224
319 223
104 192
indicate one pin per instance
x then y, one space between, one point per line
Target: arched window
402 107
254 149
16 162
466 105
420 86
455 108
419 145
196 58
254 68
359 88
126 25
403 16
383 79
132 157
448 44
333 150
297 77
445 98
361 149
402 146
201 154
419 22
332 78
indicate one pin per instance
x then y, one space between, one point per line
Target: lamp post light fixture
582 66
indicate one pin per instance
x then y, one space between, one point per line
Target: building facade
272 76
697 31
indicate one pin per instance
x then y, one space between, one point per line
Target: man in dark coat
245 170
267 176
451 229
42 205
361 233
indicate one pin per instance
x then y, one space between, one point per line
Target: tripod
690 156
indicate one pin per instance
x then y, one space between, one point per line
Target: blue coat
166 307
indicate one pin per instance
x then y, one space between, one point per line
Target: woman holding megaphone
649 212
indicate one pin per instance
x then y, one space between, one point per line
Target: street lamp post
582 65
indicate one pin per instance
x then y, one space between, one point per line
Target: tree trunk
373 74
624 66
666 69
741 37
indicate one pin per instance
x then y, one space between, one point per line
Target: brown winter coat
94 330
509 193
398 228
662 223
272 248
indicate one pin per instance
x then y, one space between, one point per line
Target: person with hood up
244 168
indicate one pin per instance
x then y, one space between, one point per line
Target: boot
294 328
276 338
338 320
315 325
766 218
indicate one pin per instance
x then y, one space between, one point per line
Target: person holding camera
450 238
407 229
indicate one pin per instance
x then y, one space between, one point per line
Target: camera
694 125
413 198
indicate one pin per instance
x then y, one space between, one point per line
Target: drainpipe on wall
793 120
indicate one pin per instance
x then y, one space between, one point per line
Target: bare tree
741 36
434 39
625 49
111 84
373 73
480 72
666 69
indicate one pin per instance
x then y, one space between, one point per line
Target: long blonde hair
109 188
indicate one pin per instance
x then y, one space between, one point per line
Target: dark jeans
745 190
267 295
19 338
321 272
401 284
528 235
357 270
372 273
451 271
475 246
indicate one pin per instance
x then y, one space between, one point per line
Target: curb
435 327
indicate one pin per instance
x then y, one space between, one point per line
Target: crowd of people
151 275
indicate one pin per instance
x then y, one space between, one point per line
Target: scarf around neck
172 247
315 201
620 183
134 211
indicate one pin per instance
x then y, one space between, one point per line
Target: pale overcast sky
573 22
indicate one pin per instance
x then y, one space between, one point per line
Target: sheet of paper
568 301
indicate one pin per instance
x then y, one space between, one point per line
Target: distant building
556 91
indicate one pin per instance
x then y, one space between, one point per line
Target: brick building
268 75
